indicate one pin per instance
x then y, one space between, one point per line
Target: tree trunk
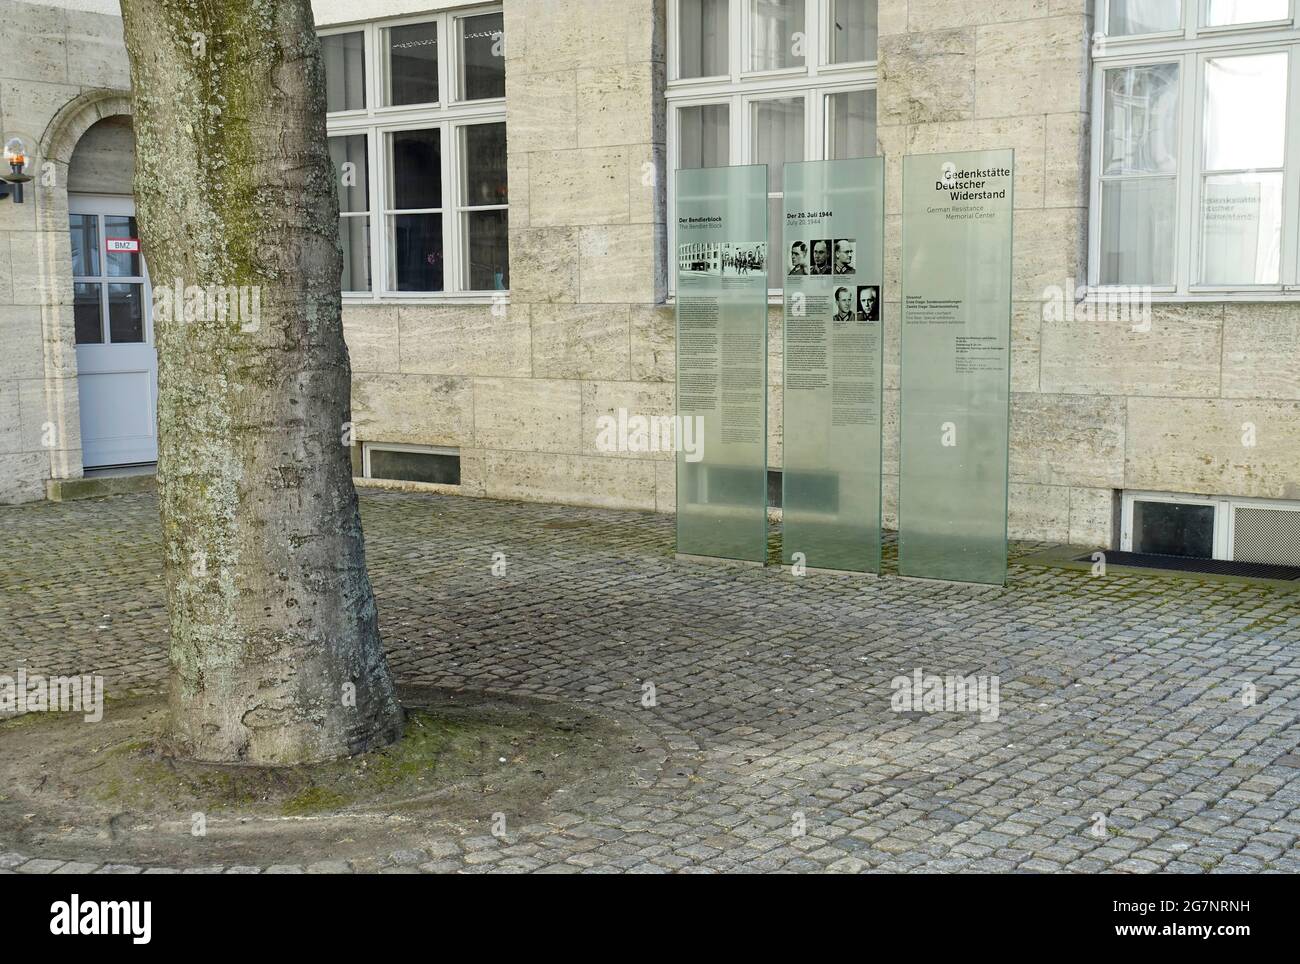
275 649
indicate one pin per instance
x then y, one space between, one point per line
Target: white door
117 369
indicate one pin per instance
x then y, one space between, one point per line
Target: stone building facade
1201 400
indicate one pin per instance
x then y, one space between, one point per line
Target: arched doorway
117 367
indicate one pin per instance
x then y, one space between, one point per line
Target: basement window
1211 527
392 462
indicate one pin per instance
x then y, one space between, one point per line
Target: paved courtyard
1122 740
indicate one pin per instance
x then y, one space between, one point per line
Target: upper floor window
416 121
1196 170
770 81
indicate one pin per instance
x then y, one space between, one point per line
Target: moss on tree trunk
274 641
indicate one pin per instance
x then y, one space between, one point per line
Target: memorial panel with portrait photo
845 253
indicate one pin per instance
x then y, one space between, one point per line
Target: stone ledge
66 490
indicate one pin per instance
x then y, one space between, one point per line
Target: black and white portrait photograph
798 258
821 257
844 256
868 303
844 304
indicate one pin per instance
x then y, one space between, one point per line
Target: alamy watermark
1130 304
182 303
623 432
53 694
952 693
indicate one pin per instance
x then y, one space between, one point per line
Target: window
1265 531
770 81
417 135
108 286
1196 149
438 465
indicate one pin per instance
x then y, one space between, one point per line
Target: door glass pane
415 252
1223 13
776 34
488 266
121 264
1241 229
1137 225
412 63
87 313
702 39
485 164
853 31
344 55
1245 111
851 124
1129 17
85 244
704 135
354 236
1170 529
778 135
1141 134
483 57
126 313
351 171
416 170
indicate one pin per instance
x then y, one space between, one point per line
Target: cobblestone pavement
1121 697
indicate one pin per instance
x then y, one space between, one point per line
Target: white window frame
1225 515
368 447
450 116
741 87
1190 47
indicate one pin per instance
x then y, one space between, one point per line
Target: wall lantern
12 181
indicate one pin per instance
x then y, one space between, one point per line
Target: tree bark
274 642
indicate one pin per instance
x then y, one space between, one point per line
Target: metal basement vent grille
1262 534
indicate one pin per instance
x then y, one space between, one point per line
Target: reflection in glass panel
1137 223
776 34
853 26
1224 13
488 257
344 55
412 63
87 314
702 39
1241 229
354 236
351 171
1128 17
778 135
483 57
1170 529
415 252
121 264
85 244
1245 111
485 164
775 221
126 313
1141 135
415 174
851 124
704 136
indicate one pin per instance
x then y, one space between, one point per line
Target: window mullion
1186 218
451 208
1289 273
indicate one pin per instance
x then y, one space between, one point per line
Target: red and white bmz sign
131 245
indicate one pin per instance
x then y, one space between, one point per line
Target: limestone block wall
49 56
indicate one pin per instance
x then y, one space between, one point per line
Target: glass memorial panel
832 374
956 339
721 424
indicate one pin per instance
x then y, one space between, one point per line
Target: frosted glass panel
702 38
832 374
721 428
1137 223
956 340
776 34
1241 229
1223 13
1128 17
